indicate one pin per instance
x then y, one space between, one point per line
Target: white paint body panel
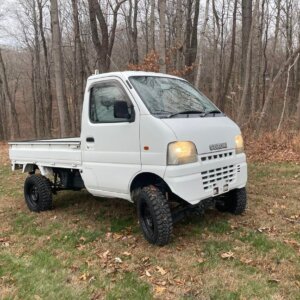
117 155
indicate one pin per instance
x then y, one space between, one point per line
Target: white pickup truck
149 138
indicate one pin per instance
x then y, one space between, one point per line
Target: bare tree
162 36
200 51
231 59
4 83
64 116
298 113
132 31
152 26
78 67
104 47
48 86
244 107
179 35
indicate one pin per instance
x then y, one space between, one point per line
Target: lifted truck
149 138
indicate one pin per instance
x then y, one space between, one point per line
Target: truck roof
126 74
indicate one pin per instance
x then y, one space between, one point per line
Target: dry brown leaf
108 235
148 273
80 247
105 254
145 259
246 261
126 253
227 255
84 277
117 236
118 260
201 260
161 270
159 290
274 280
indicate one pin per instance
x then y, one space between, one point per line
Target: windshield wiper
187 112
214 111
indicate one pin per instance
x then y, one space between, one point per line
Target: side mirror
121 110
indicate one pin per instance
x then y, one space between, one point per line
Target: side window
102 99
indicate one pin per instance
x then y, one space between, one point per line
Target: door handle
90 140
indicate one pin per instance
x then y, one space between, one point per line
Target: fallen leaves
118 260
227 255
158 290
160 270
4 242
87 277
201 260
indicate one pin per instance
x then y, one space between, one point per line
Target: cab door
110 145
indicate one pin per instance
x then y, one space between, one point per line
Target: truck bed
61 153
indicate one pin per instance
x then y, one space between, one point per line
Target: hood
204 132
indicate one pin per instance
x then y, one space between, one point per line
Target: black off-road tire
154 215
234 202
38 193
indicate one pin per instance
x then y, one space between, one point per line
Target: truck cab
152 139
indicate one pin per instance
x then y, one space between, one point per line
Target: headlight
239 144
180 153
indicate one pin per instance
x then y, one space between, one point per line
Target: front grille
211 177
220 156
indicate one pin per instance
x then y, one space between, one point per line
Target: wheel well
144 179
30 168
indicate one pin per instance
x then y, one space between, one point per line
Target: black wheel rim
147 219
33 195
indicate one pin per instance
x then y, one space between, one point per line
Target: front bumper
213 175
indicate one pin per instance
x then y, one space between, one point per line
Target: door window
102 99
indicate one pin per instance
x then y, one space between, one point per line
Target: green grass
263 245
40 274
131 287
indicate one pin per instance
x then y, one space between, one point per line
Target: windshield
170 96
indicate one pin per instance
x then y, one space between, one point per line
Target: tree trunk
245 107
275 38
14 116
194 37
78 90
199 59
104 47
152 26
298 113
188 31
3 123
246 28
231 59
216 27
37 70
257 59
64 116
48 89
132 32
178 35
162 36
